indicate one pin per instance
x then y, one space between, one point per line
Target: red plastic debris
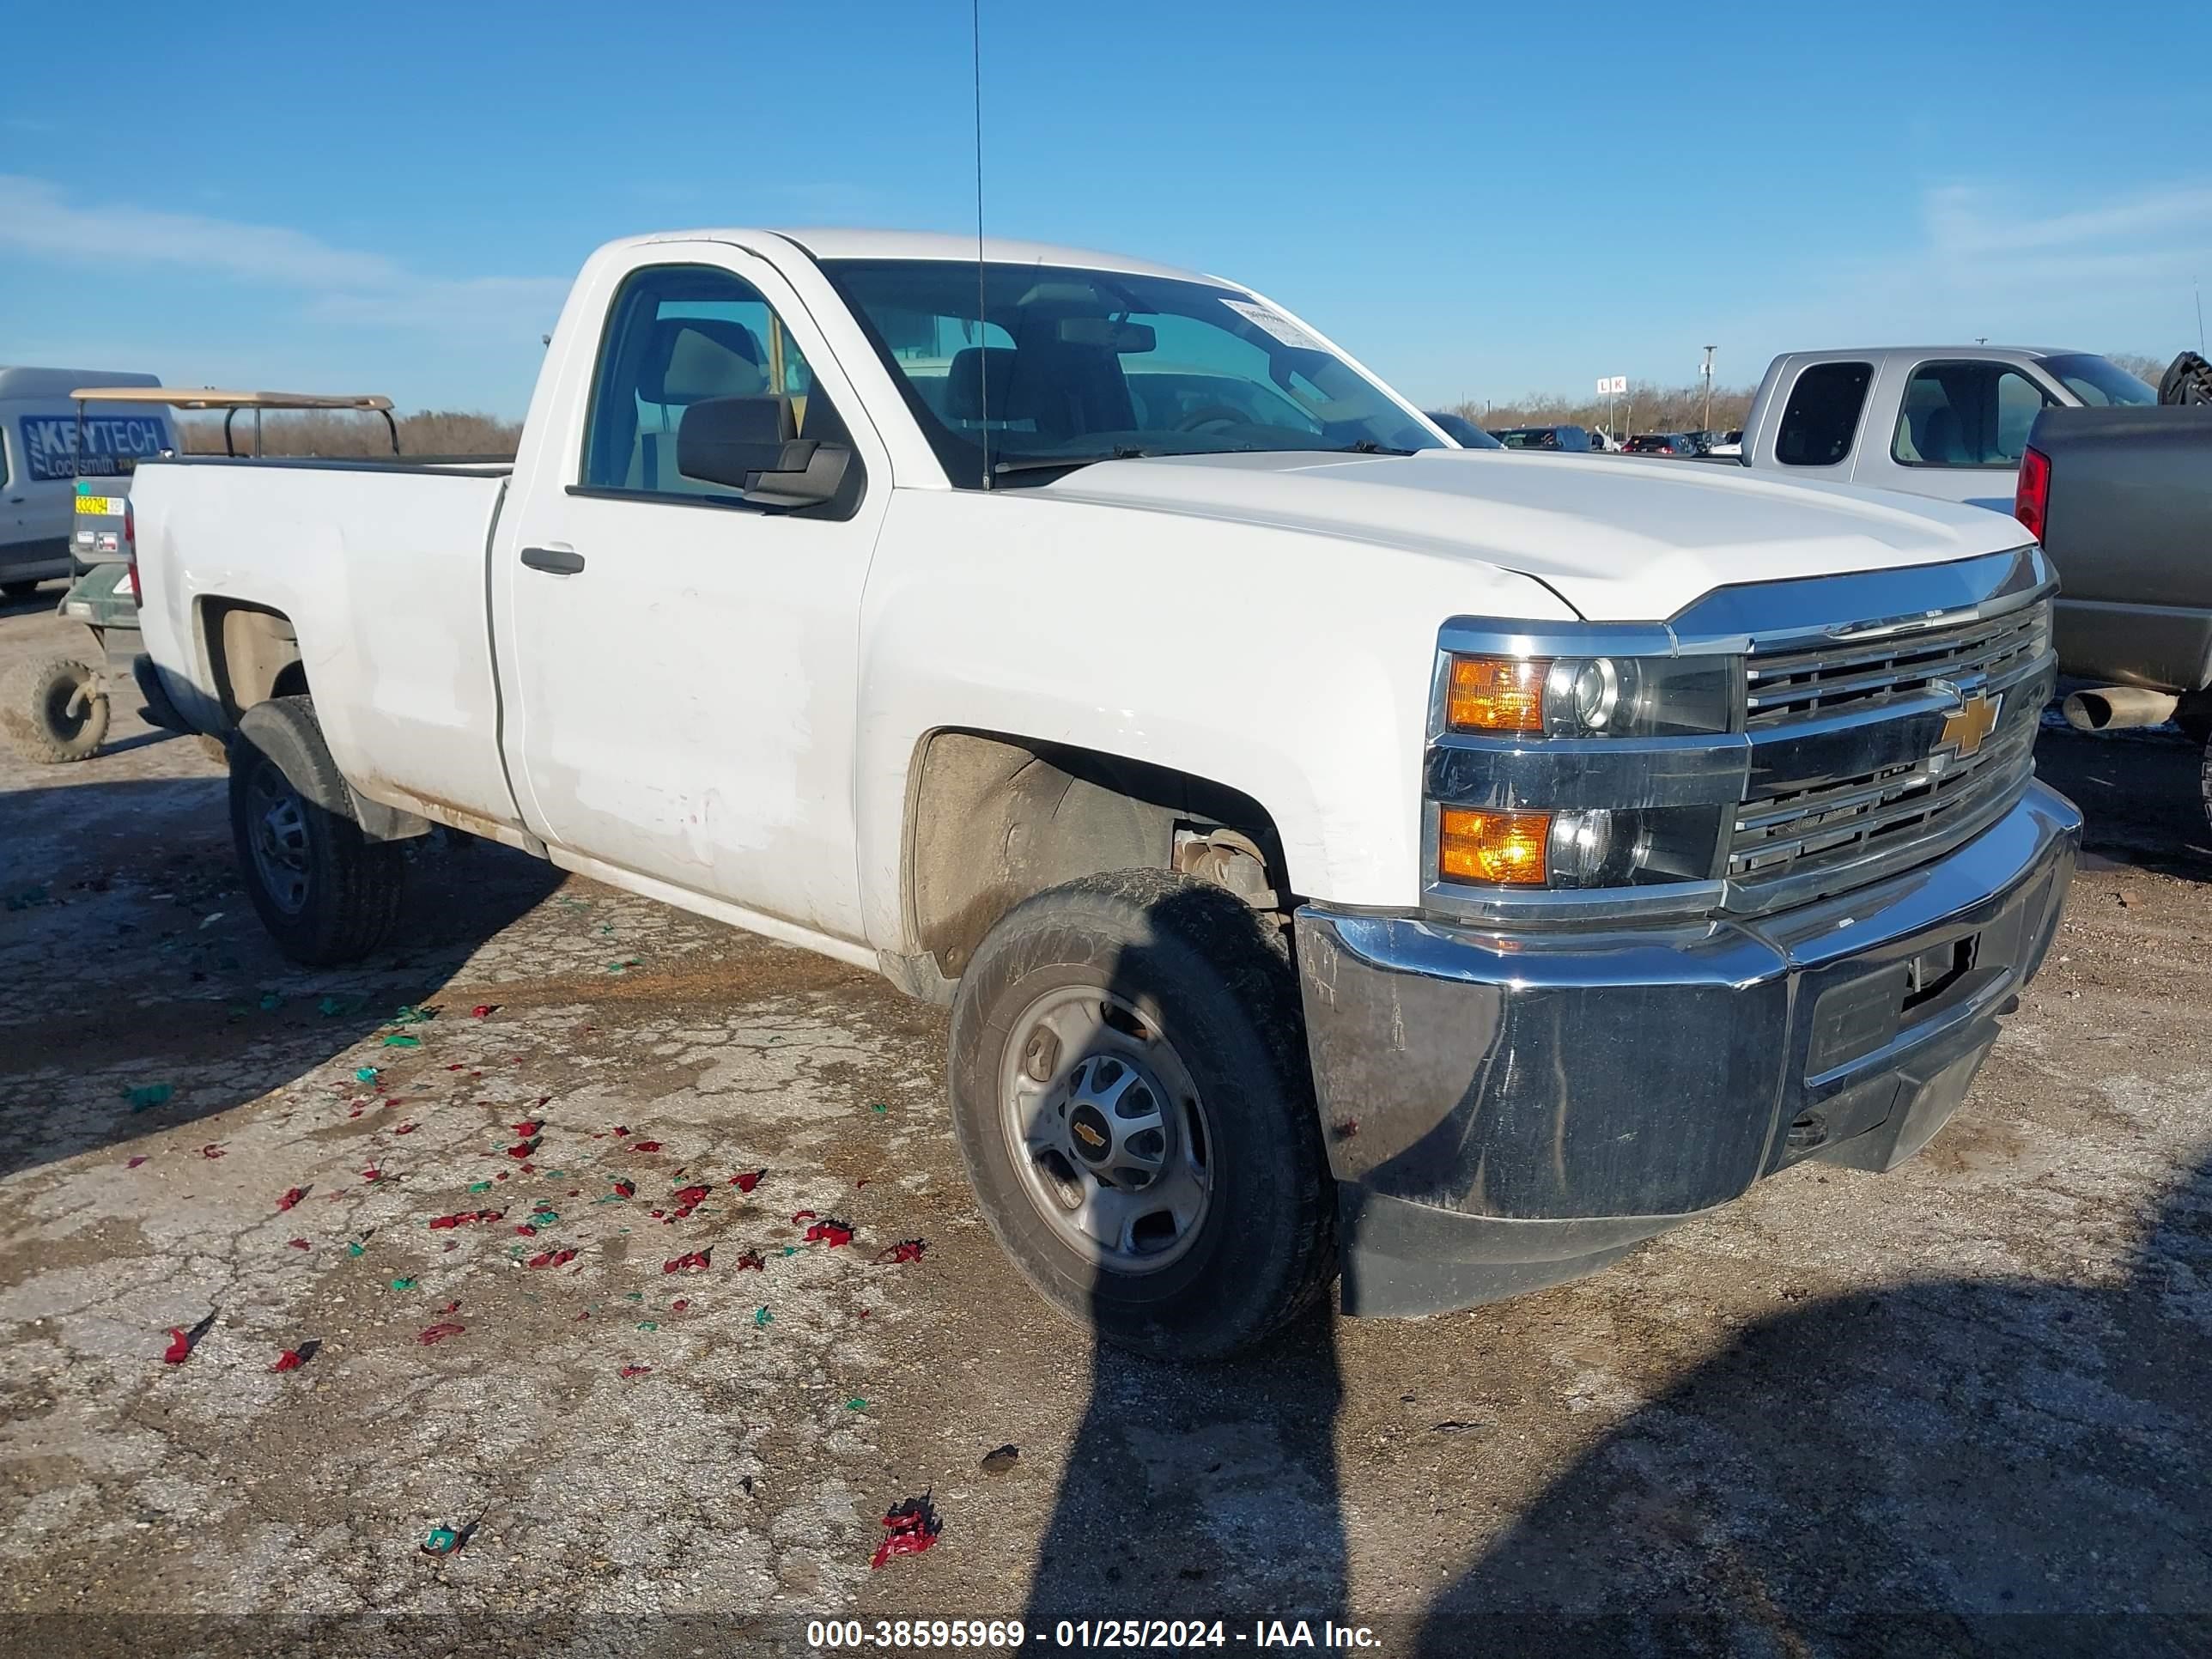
679 1304
798 1216
179 1349
635 1370
552 1259
526 1229
438 1334
372 1175
295 1243
210 1151
696 1262
621 1130
405 1129
748 1180
462 1219
522 1149
832 1233
289 1360
912 1528
484 1010
528 1127
455 1066
450 1308
689 1198
292 1196
136 1162
645 1146
751 1258
906 1249
625 1189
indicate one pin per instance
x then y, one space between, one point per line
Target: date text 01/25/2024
1083 1635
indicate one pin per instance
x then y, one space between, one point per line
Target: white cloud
342 284
2007 238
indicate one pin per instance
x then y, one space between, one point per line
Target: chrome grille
1786 686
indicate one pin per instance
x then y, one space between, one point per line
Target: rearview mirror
747 444
1125 339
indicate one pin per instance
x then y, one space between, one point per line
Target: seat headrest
691 358
966 388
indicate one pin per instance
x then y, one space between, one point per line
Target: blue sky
1480 199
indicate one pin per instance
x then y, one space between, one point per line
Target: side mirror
747 444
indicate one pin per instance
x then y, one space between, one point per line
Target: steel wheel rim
277 830
1107 1129
68 707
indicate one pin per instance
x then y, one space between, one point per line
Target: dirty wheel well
992 820
253 652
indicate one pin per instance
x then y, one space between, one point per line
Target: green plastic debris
646 1325
791 1249
443 1540
356 1249
403 1284
149 1095
762 1316
856 1404
270 1002
409 1014
479 1186
543 1218
364 1074
635 1296
400 1040
606 927
623 966
880 1110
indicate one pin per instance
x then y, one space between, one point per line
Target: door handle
556 560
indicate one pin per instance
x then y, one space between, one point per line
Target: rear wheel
54 711
325 892
1131 1095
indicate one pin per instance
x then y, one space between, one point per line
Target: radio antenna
982 312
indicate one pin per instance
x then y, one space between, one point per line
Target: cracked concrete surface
1964 1402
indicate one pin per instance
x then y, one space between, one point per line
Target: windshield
2098 381
1055 363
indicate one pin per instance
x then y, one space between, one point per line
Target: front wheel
325 892
1130 1091
54 711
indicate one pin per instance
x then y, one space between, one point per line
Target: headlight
1588 696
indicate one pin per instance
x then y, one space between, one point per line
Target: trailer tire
326 893
2188 379
1189 989
54 711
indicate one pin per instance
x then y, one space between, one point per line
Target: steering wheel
1210 415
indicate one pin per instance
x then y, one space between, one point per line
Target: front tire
325 892
54 711
1130 1091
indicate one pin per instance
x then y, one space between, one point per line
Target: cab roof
822 243
61 383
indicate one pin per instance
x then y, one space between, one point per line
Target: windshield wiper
1368 447
1039 463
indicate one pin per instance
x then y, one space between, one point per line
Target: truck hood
1618 540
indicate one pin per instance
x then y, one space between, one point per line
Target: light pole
1708 372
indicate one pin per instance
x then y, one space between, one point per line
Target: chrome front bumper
1507 1111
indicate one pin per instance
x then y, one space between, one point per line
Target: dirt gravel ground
1960 1408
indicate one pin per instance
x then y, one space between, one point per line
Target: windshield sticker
1274 324
110 440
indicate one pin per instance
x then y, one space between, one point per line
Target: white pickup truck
1334 845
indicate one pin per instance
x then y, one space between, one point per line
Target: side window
1822 414
1966 414
675 335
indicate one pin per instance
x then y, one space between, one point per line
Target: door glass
1822 414
1966 414
675 335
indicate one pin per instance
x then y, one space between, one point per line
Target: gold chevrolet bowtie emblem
1090 1136
1966 726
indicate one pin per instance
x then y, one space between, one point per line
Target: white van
39 466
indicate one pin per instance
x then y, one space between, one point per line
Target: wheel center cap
1089 1135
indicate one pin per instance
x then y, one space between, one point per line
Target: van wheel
325 892
1130 1091
54 711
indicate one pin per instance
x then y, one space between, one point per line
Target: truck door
682 662
1960 428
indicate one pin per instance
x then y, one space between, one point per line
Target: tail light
2033 500
130 552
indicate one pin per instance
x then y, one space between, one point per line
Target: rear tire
1187 987
325 892
54 711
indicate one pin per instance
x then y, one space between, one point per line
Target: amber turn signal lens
1495 694
1507 847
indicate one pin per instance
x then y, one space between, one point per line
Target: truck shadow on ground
134 962
2140 799
1955 1467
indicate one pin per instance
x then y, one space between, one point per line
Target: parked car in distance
1729 446
1948 422
2121 499
1461 431
1572 440
1590 866
39 465
1660 443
